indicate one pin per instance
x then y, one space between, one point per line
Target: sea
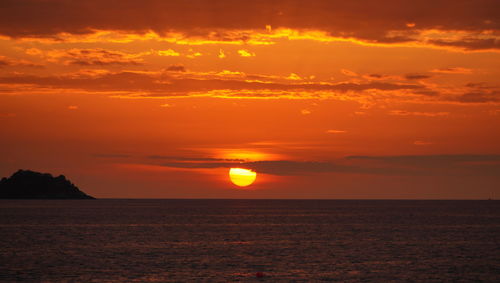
161 240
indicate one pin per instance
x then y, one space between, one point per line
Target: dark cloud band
379 165
392 21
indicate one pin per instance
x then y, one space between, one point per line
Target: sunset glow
250 141
329 99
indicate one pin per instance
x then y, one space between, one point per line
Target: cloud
245 53
470 25
376 76
479 97
335 131
480 85
440 164
221 54
478 93
430 159
193 55
183 158
5 62
176 68
454 164
348 73
427 92
422 143
93 57
294 77
284 167
175 81
33 51
417 76
410 113
454 70
150 84
168 52
470 43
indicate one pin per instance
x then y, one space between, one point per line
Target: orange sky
323 99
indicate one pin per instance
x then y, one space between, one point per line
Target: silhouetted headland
26 184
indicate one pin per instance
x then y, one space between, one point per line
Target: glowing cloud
335 131
168 52
244 53
221 54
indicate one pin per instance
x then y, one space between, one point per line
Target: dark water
231 240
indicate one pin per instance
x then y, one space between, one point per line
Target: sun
242 177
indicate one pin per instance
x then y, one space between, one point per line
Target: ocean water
232 240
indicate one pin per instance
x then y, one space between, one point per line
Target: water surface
231 240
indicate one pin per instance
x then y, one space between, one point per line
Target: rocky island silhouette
27 184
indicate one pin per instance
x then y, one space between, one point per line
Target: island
27 184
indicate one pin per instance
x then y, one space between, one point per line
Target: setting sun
242 177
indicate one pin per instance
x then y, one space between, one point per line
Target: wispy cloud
452 70
111 155
413 113
176 68
225 85
6 62
429 159
477 164
184 158
417 76
245 53
336 131
422 143
95 56
168 52
479 96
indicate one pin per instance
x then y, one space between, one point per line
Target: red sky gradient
323 99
